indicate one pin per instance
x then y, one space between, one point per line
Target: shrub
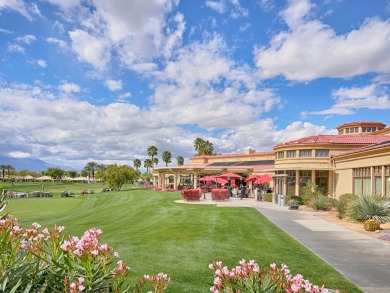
297 198
320 202
343 203
370 207
267 197
309 191
249 277
41 260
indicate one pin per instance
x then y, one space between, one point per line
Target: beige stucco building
356 160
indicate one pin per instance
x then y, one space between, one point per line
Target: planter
293 207
371 225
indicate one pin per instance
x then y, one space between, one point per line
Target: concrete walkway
363 260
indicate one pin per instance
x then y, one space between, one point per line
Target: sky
95 80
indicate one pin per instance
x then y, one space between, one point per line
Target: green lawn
154 234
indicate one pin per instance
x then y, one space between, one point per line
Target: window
356 129
291 182
362 181
341 131
291 154
373 129
322 181
364 129
347 130
322 153
368 129
304 177
280 155
305 153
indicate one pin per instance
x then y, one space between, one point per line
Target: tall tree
152 152
3 168
101 171
155 162
166 157
91 169
203 147
180 161
137 164
148 164
116 176
9 170
56 173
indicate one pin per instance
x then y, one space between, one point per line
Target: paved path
363 260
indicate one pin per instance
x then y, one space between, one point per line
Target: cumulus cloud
218 6
350 99
15 48
28 10
90 49
27 39
41 63
114 85
311 49
204 87
124 96
69 88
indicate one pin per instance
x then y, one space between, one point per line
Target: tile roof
366 148
234 155
338 139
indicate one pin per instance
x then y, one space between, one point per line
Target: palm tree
166 157
203 147
9 169
3 168
155 161
207 148
137 163
197 144
152 152
90 168
180 161
148 164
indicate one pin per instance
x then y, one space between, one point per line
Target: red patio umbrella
229 176
265 178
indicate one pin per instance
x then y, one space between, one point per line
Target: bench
219 194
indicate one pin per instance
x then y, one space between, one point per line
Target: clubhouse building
356 160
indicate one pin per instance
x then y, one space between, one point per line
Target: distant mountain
26 164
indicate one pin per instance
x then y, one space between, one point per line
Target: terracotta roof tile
367 148
338 139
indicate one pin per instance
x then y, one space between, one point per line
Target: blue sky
103 80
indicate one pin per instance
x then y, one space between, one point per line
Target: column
383 181
195 180
175 180
297 178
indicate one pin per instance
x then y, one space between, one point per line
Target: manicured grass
153 234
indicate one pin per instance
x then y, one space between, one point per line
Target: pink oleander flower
36 226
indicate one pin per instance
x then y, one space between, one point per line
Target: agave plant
370 207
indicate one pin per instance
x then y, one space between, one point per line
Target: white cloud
42 63
218 6
349 100
19 154
204 87
124 96
312 49
27 39
69 88
15 48
114 85
90 49
62 45
28 10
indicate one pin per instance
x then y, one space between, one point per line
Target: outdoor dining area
228 185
